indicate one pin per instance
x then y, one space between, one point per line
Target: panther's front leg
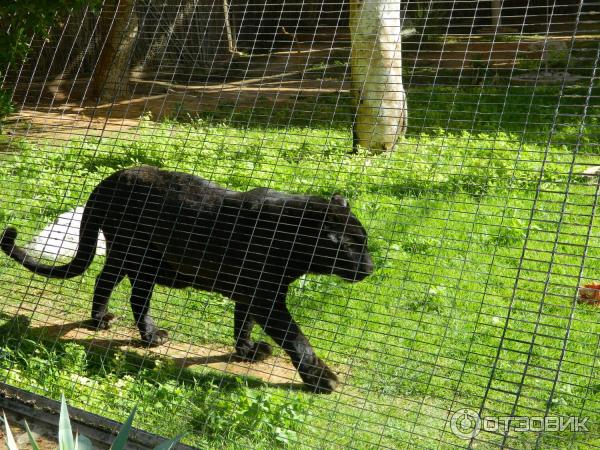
245 348
278 323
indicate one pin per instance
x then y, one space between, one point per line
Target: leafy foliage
66 441
225 414
22 21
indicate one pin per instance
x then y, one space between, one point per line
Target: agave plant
66 440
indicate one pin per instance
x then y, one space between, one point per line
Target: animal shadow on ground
16 328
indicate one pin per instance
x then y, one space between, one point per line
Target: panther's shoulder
166 182
266 198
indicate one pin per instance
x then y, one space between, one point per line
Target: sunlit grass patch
481 230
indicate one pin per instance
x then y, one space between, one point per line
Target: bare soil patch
60 114
45 436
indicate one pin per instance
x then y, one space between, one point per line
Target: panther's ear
337 199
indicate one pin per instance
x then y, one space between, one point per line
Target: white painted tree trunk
376 62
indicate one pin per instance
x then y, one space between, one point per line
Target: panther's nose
366 268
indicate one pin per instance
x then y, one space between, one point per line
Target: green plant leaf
167 445
65 433
10 440
121 439
32 442
82 443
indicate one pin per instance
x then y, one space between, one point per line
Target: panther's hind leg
108 279
245 347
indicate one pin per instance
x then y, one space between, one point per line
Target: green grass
481 229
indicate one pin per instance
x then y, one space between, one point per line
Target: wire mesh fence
313 280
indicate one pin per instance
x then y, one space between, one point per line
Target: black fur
179 230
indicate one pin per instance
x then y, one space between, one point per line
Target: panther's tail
88 238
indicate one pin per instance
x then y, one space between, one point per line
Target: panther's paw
102 323
256 351
156 338
318 377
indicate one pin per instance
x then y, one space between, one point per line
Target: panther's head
342 243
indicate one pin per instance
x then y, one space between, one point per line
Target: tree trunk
111 76
376 63
496 13
231 36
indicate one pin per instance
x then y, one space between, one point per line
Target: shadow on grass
534 114
18 328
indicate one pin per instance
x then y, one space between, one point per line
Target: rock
23 438
591 173
61 238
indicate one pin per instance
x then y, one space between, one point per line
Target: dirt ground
61 114
58 109
45 436
47 322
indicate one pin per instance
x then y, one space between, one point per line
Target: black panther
178 230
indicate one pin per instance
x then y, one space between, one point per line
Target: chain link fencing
444 288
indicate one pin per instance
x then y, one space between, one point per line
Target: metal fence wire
361 224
